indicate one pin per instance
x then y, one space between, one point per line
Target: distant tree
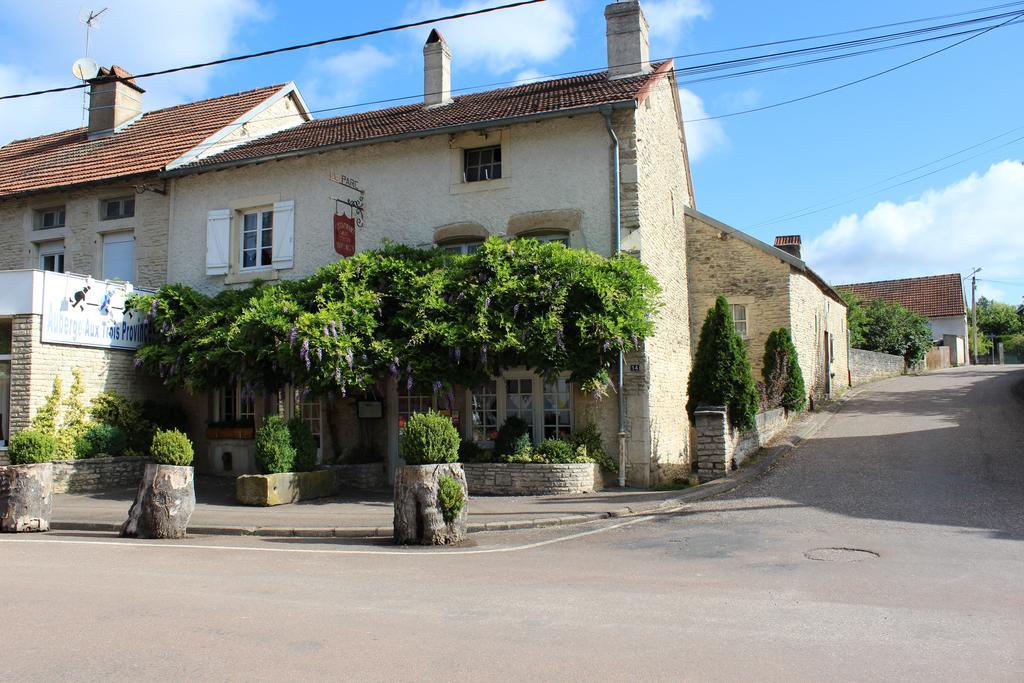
892 328
856 318
721 373
782 368
996 318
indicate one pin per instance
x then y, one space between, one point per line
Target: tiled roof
70 158
493 105
934 296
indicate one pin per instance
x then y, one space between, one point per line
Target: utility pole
974 311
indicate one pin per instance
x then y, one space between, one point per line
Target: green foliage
101 439
856 318
171 447
589 439
677 484
112 408
782 369
32 446
48 416
984 344
1014 344
469 451
999 319
451 498
63 418
426 317
721 374
304 444
892 328
274 451
513 437
429 438
556 451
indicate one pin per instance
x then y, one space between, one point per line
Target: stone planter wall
367 476
284 488
97 474
500 479
721 448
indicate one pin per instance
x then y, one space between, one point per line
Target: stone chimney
437 70
114 98
628 50
789 244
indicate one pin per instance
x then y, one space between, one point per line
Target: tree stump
164 503
26 497
418 515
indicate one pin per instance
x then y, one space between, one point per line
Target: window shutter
284 234
218 237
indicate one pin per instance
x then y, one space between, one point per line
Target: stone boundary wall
721 449
97 474
531 479
868 366
4 459
367 476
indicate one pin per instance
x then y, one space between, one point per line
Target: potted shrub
26 486
167 495
430 490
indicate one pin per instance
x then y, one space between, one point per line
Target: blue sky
747 169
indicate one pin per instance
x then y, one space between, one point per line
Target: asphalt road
924 473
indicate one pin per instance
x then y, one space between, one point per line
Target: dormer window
482 163
50 218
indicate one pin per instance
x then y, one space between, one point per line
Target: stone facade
34 365
365 476
97 474
721 448
816 316
868 366
531 479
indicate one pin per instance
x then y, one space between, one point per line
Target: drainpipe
616 203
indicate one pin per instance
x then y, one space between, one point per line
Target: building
84 219
939 298
564 160
768 287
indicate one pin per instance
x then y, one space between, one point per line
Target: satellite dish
85 69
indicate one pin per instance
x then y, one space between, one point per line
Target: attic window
482 163
50 218
112 209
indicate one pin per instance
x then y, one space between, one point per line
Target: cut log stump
418 515
164 503
26 497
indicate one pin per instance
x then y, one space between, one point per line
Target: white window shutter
218 239
284 234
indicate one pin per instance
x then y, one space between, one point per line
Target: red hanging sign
344 235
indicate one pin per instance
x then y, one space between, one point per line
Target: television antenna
85 68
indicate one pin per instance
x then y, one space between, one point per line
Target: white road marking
128 543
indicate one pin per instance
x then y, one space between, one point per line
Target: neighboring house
939 298
768 288
542 160
84 219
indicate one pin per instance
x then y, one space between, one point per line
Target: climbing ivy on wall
429 318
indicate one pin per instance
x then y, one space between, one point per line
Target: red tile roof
935 296
494 105
70 158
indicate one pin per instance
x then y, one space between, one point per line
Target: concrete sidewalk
367 514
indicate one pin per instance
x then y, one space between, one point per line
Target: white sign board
82 311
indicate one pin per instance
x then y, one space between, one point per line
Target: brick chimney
789 244
437 70
114 98
628 49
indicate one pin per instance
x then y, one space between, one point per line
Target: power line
290 48
860 80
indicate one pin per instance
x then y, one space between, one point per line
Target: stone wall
721 449
97 474
500 479
868 366
34 365
365 476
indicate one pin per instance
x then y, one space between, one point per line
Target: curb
760 463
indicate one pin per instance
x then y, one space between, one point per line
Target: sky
833 168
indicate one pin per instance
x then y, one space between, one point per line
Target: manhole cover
840 554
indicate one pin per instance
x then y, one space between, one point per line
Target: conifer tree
721 373
782 368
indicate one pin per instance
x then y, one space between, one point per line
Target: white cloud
339 79
701 136
528 75
501 41
139 36
667 18
973 222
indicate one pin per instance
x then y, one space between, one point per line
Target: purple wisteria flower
436 386
304 354
515 310
487 302
457 354
337 375
319 353
137 363
483 355
408 382
293 335
462 296
334 330
327 332
558 338
482 277
348 358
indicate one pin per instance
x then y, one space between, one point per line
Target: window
119 256
545 406
482 163
310 412
409 403
236 405
467 247
739 319
51 257
257 239
112 209
559 236
50 218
